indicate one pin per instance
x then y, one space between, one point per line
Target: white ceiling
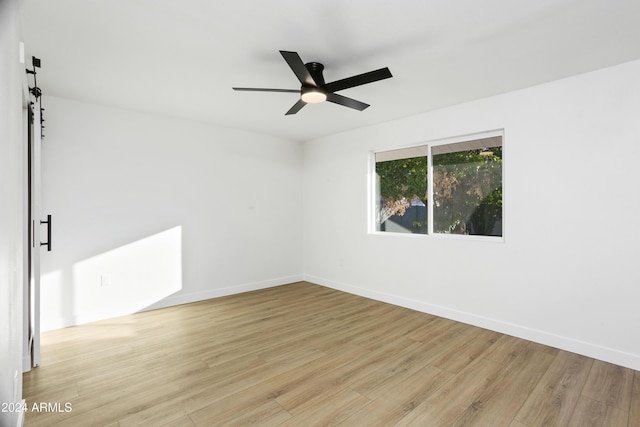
181 58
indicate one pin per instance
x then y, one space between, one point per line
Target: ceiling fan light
313 96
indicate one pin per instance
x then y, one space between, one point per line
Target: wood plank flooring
305 355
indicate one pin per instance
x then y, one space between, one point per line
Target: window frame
373 187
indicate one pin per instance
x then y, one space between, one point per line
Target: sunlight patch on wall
127 279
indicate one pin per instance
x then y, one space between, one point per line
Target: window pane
467 187
402 193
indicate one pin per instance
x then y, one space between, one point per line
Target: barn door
39 232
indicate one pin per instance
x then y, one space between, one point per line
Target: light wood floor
305 355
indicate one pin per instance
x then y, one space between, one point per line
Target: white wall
12 215
567 273
151 211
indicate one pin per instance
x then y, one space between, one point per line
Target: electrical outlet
105 280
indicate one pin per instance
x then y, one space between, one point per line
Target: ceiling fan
314 90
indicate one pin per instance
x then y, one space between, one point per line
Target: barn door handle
48 242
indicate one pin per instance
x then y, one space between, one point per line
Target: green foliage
403 178
467 189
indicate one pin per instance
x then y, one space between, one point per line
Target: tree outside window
467 188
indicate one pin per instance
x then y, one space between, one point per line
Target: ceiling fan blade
347 102
259 89
360 79
298 67
296 107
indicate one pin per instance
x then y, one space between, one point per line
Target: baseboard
22 414
222 292
543 337
26 363
50 324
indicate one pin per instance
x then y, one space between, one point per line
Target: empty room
289 213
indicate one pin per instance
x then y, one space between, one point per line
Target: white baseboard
50 324
595 351
222 292
543 337
26 363
21 415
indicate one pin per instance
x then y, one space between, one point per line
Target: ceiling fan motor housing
314 94
315 69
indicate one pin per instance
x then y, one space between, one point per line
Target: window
465 187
